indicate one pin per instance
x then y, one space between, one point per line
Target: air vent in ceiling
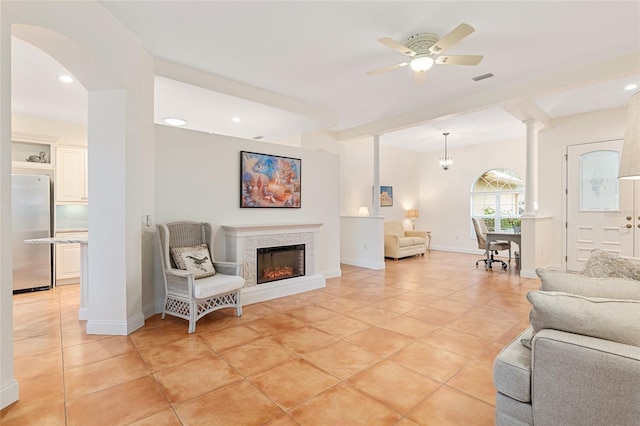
482 77
258 137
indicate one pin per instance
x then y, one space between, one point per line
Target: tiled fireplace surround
242 242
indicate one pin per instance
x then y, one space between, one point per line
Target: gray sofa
582 366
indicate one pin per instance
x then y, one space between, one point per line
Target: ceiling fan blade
460 32
420 77
389 42
389 68
459 60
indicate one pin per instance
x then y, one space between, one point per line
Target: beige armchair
401 243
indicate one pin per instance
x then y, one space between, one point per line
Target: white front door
600 207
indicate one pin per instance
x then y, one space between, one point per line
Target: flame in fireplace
278 272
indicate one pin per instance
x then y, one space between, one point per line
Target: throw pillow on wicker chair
194 259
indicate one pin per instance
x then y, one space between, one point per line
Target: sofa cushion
405 242
602 264
196 259
512 369
610 288
510 412
610 319
418 241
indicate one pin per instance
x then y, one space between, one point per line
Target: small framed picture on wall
386 196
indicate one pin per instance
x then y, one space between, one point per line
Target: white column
531 184
114 255
8 383
376 175
528 261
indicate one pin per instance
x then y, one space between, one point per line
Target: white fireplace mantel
242 242
270 228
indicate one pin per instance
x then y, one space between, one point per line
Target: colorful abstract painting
269 180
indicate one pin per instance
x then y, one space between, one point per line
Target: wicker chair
185 296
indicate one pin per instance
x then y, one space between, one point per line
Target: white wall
552 147
445 207
69 133
362 241
198 178
111 59
398 168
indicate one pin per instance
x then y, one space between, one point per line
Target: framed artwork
386 196
269 181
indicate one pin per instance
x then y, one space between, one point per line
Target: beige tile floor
413 344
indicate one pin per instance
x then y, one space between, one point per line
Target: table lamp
363 211
413 214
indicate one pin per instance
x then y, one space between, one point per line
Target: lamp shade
363 211
414 213
630 155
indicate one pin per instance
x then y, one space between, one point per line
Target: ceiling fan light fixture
422 63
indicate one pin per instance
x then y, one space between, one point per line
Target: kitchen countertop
59 240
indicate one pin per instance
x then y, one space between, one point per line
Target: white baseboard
553 267
262 292
9 394
153 309
83 314
362 263
332 273
115 328
458 250
528 273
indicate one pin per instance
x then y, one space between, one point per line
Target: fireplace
243 242
279 263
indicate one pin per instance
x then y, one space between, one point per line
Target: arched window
497 197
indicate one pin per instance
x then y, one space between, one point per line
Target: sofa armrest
391 239
422 234
391 245
579 379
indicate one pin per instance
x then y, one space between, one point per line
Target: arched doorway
118 74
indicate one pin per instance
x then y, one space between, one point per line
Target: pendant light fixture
445 160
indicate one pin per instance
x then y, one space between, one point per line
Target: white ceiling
306 61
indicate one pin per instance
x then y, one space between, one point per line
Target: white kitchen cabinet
32 152
68 260
71 175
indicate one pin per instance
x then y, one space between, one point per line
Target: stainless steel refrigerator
31 213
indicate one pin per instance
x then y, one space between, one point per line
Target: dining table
503 236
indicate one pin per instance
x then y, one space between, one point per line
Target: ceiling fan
424 50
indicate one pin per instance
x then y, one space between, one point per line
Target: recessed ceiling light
631 87
65 78
236 119
174 121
